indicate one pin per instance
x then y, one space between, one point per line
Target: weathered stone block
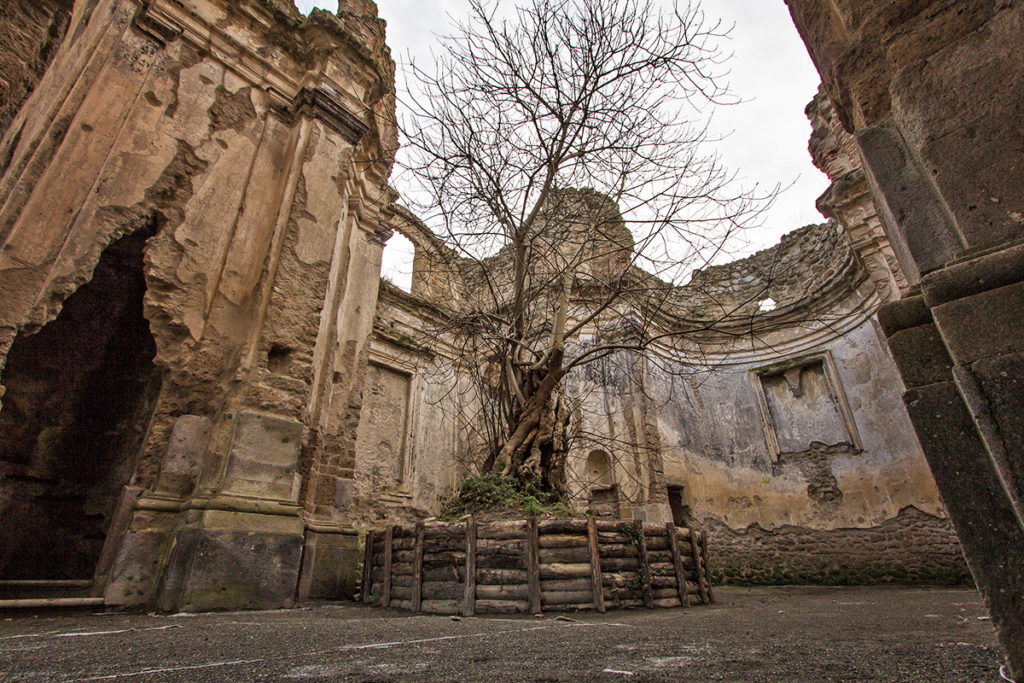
247 567
264 458
330 564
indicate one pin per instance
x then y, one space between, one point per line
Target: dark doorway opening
680 512
79 396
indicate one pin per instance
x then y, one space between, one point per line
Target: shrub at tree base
495 495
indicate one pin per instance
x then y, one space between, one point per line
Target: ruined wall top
793 274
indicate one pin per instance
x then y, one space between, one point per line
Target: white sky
767 134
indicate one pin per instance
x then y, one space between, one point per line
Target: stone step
50 603
32 589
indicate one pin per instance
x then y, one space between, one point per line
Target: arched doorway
79 396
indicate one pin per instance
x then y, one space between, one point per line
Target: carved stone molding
157 28
323 104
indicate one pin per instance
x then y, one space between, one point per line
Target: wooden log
500 546
645 570
441 530
564 555
402 556
533 564
665 593
658 543
617 550
562 526
564 541
661 568
627 603
517 592
677 566
683 534
502 530
445 544
403 580
610 524
449 573
403 544
417 570
367 568
502 606
401 568
500 561
401 593
567 584
699 568
470 596
441 590
400 604
612 537
667 602
442 559
704 559
500 577
595 566
659 556
664 581
620 564
567 598
386 593
441 606
564 571
619 578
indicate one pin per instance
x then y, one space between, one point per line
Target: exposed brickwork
912 548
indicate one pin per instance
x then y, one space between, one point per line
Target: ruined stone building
206 396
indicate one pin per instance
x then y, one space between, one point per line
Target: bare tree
563 156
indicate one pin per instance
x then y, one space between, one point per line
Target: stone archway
79 397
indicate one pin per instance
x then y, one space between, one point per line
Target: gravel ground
749 634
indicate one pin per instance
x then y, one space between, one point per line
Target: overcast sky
766 135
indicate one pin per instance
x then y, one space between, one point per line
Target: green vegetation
495 494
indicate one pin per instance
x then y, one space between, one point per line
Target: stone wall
932 94
252 146
911 548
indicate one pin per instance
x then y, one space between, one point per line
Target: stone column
932 96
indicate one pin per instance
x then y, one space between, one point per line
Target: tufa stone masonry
206 396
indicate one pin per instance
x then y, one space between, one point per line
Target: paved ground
759 634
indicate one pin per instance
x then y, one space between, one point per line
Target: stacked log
502 581
564 563
529 566
444 568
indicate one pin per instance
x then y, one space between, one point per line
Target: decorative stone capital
324 104
382 233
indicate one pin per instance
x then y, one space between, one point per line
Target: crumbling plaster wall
256 144
401 477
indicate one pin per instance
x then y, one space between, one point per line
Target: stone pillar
932 96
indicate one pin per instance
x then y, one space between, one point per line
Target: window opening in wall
79 396
397 260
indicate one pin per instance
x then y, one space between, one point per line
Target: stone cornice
324 104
